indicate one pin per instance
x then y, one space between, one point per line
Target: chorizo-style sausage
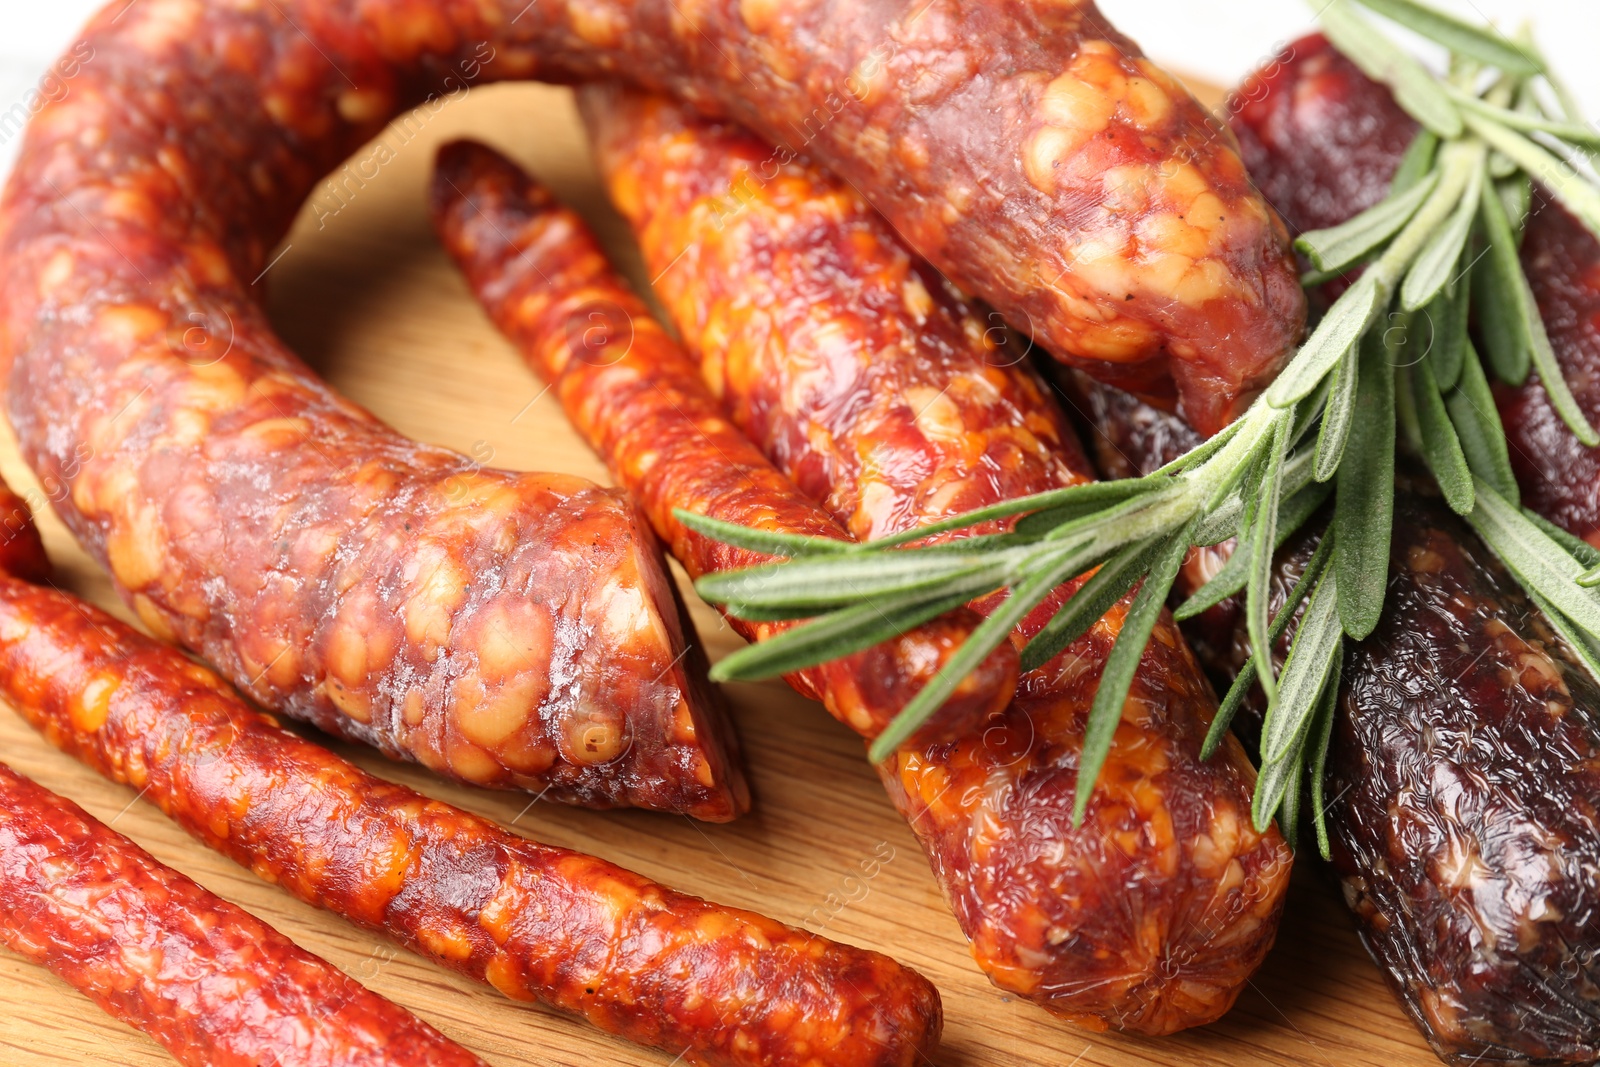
886 397
640 402
216 986
716 984
510 630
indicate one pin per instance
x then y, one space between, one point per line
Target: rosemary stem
1458 162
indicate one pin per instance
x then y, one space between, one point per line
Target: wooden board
363 292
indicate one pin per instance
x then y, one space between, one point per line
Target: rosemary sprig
1392 352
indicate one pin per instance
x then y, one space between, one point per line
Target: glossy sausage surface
21 549
216 986
891 400
640 402
719 985
1465 782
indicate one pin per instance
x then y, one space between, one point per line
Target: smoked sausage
639 400
890 399
716 985
216 986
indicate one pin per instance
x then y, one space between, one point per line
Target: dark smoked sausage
891 400
216 986
640 401
634 958
1463 773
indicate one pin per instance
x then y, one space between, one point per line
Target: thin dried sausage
640 401
216 986
718 985
889 398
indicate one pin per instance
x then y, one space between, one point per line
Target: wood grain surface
364 294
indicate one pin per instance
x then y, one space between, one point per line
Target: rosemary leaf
1047 570
1292 514
1322 735
1440 446
1526 122
1481 42
1262 541
1086 504
1201 452
1499 298
1513 326
1447 317
1550 376
1580 550
1084 608
831 636
1477 423
770 542
1289 808
1341 328
1438 262
1416 90
1123 662
1246 678
1311 279
1086 497
1580 196
1516 196
1538 560
822 583
1311 655
1337 417
1417 163
1340 247
1364 504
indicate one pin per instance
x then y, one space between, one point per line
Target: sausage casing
635 958
507 629
216 986
887 397
641 403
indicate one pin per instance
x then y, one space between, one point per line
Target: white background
1219 39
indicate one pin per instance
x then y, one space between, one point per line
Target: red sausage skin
640 401
634 958
214 985
888 399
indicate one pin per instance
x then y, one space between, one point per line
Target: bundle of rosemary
1445 240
